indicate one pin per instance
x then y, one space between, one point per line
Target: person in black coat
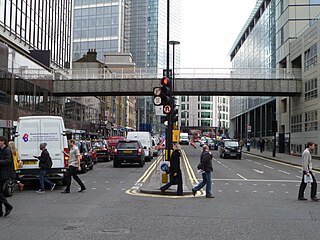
206 168
5 172
175 171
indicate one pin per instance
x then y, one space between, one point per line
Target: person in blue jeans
206 167
45 164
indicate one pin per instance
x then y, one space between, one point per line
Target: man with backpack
45 163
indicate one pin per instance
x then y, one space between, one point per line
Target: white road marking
271 191
123 189
241 176
298 176
255 184
226 183
93 188
258 171
287 192
225 166
253 180
269 184
268 167
240 184
94 181
236 190
283 185
219 162
249 160
257 163
254 191
219 190
107 188
283 172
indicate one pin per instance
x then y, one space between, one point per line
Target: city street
255 198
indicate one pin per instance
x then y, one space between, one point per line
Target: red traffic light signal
165 82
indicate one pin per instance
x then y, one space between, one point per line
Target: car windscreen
97 145
128 145
231 144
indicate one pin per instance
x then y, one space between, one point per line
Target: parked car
112 143
230 148
129 151
100 149
86 161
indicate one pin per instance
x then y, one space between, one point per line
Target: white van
184 138
146 141
33 130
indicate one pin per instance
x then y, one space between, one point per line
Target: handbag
199 166
308 179
8 187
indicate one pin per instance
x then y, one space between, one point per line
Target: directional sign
157 101
167 109
157 91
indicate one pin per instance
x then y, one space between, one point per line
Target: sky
209 28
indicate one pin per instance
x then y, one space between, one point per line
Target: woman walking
74 164
16 163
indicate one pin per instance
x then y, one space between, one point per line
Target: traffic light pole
169 116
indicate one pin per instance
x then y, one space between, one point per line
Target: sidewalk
282 157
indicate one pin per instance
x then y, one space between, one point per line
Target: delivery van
33 130
146 141
184 138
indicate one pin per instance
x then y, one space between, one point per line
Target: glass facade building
264 42
39 25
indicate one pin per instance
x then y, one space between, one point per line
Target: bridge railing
149 73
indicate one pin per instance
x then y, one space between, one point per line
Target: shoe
8 210
194 192
315 199
302 199
162 191
65 191
53 186
209 196
82 190
20 186
41 191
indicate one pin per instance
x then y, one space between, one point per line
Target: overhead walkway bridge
140 82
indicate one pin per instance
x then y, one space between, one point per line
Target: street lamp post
173 43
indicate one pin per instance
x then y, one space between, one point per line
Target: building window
311 121
281 36
205 123
183 98
310 90
296 123
204 98
205 115
310 57
206 106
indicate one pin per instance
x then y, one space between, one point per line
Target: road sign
157 101
249 128
157 91
176 136
167 109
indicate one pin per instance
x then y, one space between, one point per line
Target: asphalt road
255 199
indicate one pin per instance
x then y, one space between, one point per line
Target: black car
86 161
230 148
128 151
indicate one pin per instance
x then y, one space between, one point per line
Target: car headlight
227 150
239 150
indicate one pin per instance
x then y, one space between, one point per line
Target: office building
35 38
264 42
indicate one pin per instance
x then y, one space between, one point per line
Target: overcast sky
209 29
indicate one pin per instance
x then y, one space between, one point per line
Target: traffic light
175 115
166 93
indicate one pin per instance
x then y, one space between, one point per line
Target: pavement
153 183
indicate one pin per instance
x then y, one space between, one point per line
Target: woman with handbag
16 163
175 171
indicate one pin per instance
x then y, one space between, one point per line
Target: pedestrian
5 172
241 143
16 163
307 171
74 164
206 168
262 144
175 171
45 163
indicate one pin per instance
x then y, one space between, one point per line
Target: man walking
5 170
45 163
206 166
74 164
307 171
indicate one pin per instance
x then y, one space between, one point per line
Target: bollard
164 178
